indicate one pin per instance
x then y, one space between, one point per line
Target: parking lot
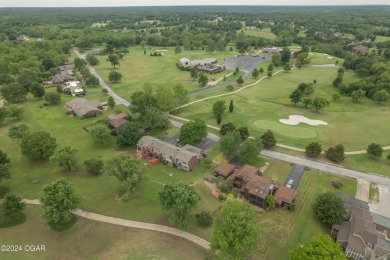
245 62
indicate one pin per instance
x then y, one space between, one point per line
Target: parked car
289 183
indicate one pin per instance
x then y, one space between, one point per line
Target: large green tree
101 134
5 173
59 200
53 98
268 139
127 168
180 95
15 111
230 143
319 247
286 55
155 118
37 90
128 133
219 108
14 93
114 76
236 231
249 150
4 158
313 150
296 96
17 132
381 96
336 153
203 79
357 95
319 103
141 101
38 145
113 59
226 128
374 151
12 206
3 114
329 208
193 131
94 166
65 157
181 198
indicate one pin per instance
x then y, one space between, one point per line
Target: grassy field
380 38
261 106
265 33
89 239
137 69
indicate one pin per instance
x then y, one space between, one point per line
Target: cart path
135 224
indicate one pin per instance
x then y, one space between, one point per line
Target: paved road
327 167
118 99
135 224
245 63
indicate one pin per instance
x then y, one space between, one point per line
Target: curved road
135 224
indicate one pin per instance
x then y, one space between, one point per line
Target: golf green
291 131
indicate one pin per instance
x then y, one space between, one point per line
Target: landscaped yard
89 239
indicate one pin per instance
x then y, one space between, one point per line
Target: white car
289 183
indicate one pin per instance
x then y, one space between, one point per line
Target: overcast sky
83 3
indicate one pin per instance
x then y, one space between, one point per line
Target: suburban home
66 68
256 188
360 237
96 52
83 108
207 64
168 153
199 152
224 170
59 79
116 120
74 88
272 50
360 49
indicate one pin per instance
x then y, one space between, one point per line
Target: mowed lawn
99 193
260 108
265 33
138 69
282 230
89 239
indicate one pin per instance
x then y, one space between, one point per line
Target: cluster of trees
193 131
303 93
11 111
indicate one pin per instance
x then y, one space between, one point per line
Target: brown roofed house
83 108
284 196
224 170
360 49
116 120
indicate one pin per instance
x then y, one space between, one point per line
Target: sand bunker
295 120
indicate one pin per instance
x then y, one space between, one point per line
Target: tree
307 101
127 168
219 108
114 76
381 96
374 151
261 70
244 133
268 139
193 74
336 153
221 45
15 111
210 47
303 58
319 103
203 79
338 81
6 79
26 77
296 96
3 114
164 98
155 119
12 206
286 55
177 49
230 87
105 92
357 95
79 63
92 81
230 143
101 134
180 95
313 150
113 59
240 80
231 106
128 133
249 150
236 231
306 88
329 208
92 60
4 158
336 97
111 102
388 157
37 90
53 98
270 68
65 157
269 74
38 145
255 73
286 67
219 119
204 218
193 131
270 200
276 60
226 128
319 247
181 198
94 166
141 102
17 132
4 172
14 93
59 200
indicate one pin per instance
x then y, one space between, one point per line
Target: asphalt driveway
295 175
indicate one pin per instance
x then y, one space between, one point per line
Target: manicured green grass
380 38
89 239
63 226
291 131
282 230
265 33
138 69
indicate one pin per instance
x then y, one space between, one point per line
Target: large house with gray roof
206 64
169 154
83 108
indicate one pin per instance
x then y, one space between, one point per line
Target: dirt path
215 82
135 224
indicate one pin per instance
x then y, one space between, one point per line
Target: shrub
337 184
221 197
204 218
224 186
94 166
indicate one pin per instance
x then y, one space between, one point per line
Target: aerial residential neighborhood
188 130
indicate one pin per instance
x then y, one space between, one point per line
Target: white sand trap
330 57
296 120
311 54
